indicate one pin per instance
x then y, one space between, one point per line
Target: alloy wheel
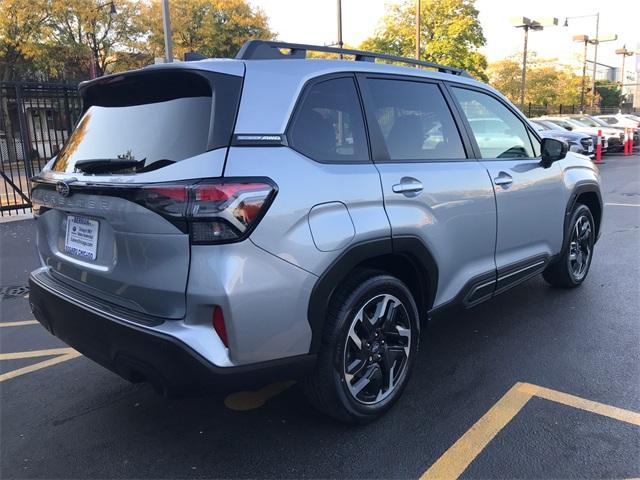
377 349
580 248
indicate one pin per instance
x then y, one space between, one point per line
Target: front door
529 197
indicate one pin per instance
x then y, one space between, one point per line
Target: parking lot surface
536 383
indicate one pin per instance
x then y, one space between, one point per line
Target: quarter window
415 121
328 125
498 132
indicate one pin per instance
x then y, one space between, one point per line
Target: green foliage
546 82
215 28
610 94
450 34
60 39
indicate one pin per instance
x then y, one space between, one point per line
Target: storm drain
13 291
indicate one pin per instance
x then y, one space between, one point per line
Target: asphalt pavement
536 383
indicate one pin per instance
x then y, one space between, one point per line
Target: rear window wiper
108 165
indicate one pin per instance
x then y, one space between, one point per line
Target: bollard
599 148
626 142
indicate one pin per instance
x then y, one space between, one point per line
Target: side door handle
408 186
503 179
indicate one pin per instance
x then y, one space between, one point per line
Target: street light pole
340 43
595 60
417 29
168 41
585 40
524 65
528 24
625 53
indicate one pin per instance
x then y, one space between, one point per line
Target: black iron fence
533 111
35 121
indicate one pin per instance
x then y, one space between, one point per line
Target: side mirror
553 150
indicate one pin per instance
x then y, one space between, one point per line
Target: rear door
432 189
530 198
110 206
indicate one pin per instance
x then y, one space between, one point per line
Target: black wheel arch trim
579 189
410 246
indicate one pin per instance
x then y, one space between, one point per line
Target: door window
415 121
498 132
328 125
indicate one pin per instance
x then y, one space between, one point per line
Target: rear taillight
215 211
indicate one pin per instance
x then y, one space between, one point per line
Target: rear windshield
152 120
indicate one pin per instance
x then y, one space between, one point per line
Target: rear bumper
139 354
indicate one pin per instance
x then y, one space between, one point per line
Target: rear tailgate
115 230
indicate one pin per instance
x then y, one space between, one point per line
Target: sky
314 21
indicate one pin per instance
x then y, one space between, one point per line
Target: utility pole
417 29
168 40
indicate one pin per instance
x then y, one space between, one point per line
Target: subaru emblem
63 189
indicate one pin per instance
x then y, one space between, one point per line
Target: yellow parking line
18 324
36 353
250 400
460 455
466 449
38 366
590 406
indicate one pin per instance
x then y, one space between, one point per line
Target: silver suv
225 223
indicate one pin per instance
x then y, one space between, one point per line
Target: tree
85 33
450 34
610 94
23 26
215 28
547 83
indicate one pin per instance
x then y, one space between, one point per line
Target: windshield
588 121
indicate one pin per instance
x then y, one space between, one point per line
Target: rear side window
153 119
498 132
328 124
415 121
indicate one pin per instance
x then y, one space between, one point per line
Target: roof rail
270 50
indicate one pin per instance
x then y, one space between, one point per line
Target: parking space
539 383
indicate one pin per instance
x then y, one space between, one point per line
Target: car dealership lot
537 383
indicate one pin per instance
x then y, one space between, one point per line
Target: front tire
572 268
370 340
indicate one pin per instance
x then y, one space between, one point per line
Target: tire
364 365
572 268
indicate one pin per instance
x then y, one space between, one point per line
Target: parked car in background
619 120
612 135
596 122
582 143
635 118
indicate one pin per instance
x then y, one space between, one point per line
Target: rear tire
572 268
369 343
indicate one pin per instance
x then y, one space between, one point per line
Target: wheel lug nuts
371 359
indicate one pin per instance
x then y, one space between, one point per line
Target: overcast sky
314 21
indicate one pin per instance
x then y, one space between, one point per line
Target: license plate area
81 237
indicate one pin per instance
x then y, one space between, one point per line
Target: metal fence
35 121
532 110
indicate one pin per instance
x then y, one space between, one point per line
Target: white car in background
620 120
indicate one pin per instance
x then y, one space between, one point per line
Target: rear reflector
218 325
